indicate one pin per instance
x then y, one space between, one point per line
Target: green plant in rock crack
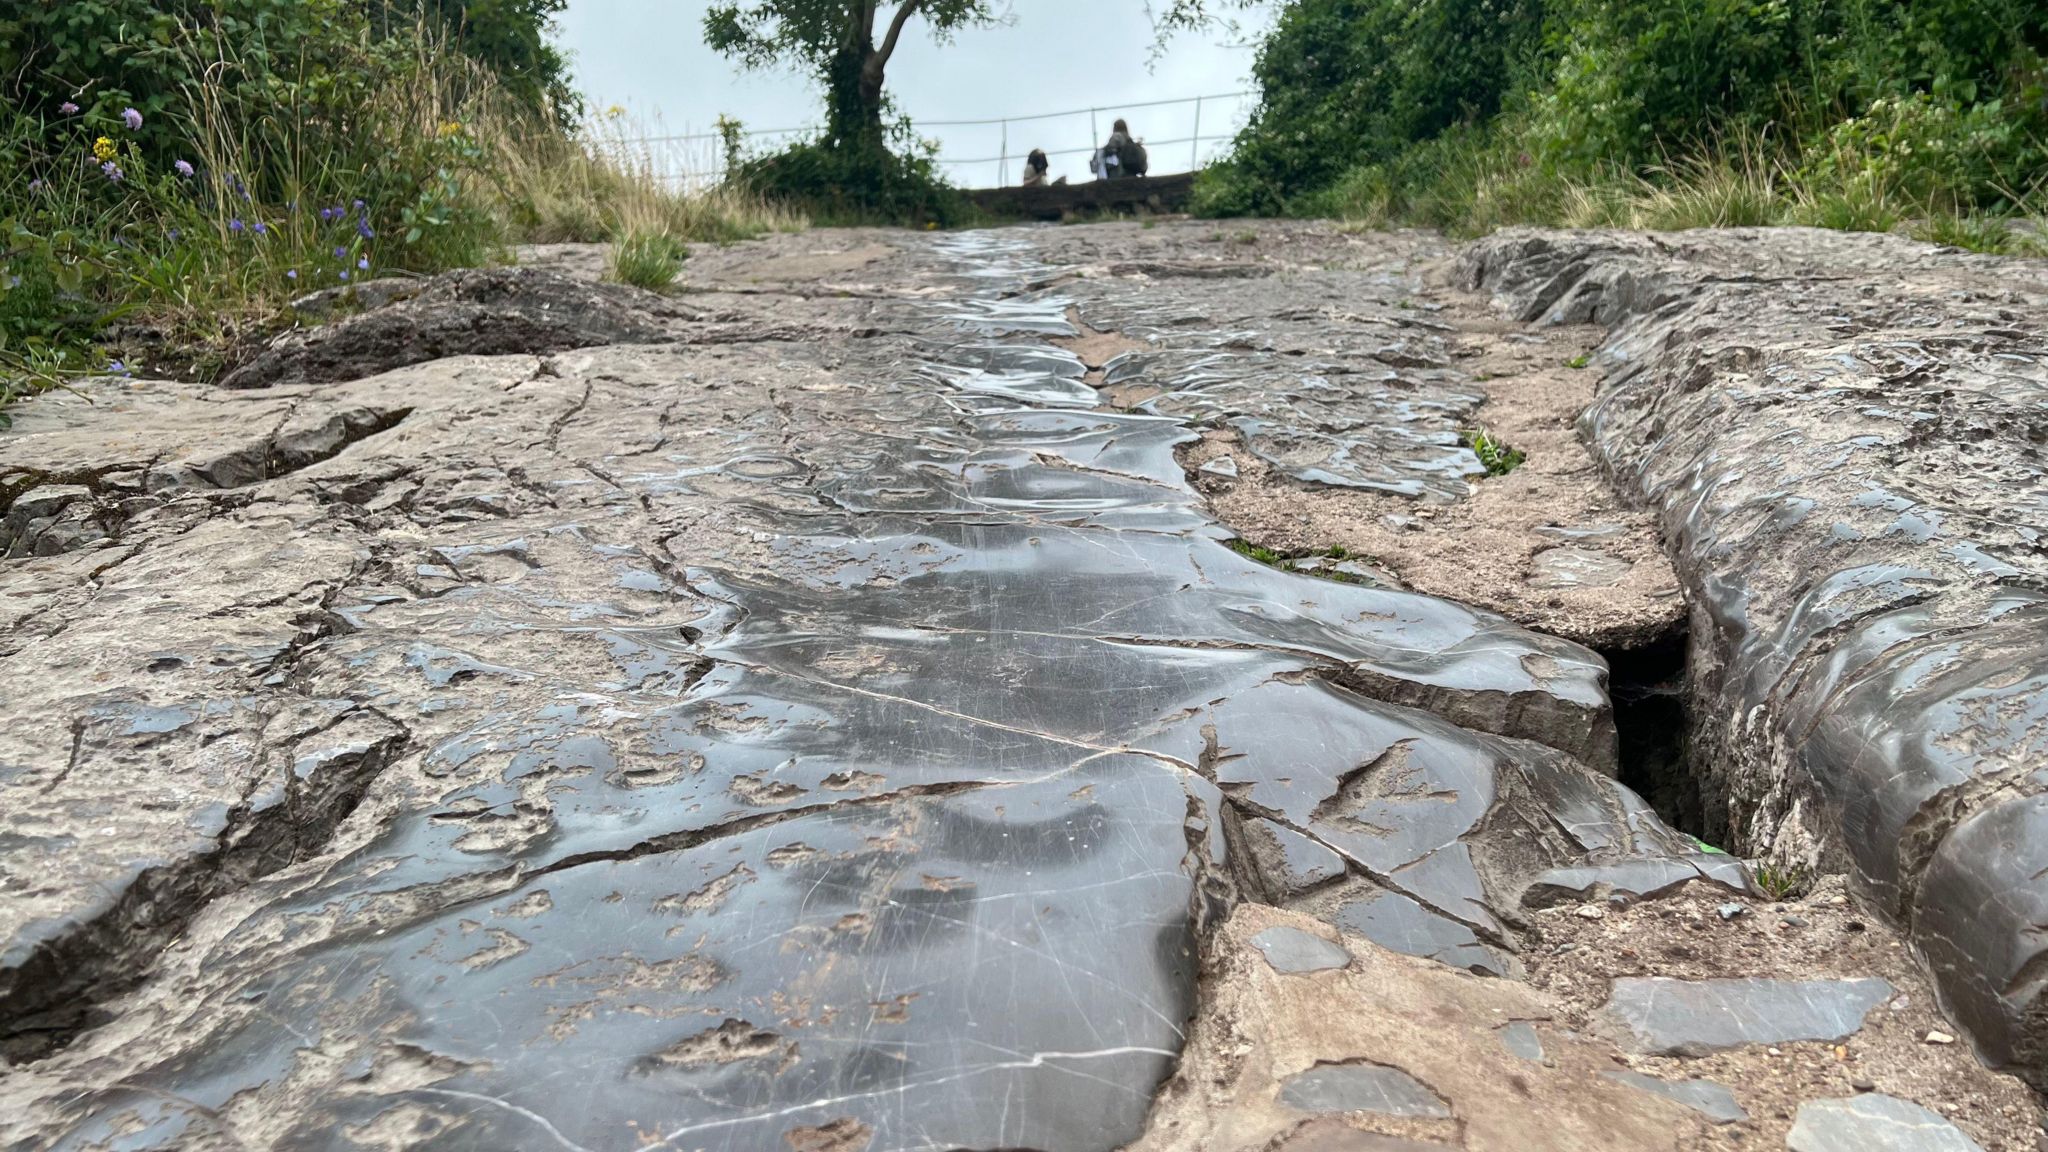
649 260
1498 458
1285 561
1779 882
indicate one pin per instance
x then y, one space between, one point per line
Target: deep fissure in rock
1653 721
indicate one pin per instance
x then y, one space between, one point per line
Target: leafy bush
896 181
1648 113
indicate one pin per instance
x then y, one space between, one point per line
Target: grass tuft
1498 458
647 259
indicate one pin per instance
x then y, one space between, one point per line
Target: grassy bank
1929 116
159 213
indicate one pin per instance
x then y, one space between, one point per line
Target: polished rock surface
1841 436
1668 1017
1874 1123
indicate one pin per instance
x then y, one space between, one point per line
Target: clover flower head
67 108
132 118
112 171
183 168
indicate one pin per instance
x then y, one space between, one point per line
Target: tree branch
903 14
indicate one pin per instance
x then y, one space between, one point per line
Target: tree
835 41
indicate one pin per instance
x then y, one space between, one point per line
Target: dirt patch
1548 545
1577 956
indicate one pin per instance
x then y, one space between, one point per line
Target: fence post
1195 147
1094 134
1003 165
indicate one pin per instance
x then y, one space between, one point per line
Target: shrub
647 259
861 182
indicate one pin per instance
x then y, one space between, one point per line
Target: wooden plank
1054 201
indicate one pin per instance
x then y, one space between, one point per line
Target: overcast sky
1053 56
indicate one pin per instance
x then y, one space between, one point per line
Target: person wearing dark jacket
1035 167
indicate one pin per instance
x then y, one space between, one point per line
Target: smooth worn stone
1838 435
1521 1039
1222 466
1289 862
1394 921
1661 1016
1361 1088
1576 568
1705 1097
1874 1123
1293 950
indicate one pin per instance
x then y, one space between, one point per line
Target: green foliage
1778 882
857 183
650 260
1499 459
1470 114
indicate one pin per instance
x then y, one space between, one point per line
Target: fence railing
696 158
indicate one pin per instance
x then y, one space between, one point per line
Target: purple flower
67 108
326 215
174 235
35 185
112 171
117 368
262 229
132 118
364 263
235 225
291 274
183 168
363 229
343 273
341 253
359 205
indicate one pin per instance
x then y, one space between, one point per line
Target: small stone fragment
1874 1123
1731 911
1668 1017
1792 921
1520 1038
1293 950
1591 912
1361 1088
1937 1036
1222 466
1705 1097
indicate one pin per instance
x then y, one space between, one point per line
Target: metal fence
986 152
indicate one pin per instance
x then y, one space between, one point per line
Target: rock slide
818 711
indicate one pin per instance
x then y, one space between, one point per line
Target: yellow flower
614 112
103 149
451 128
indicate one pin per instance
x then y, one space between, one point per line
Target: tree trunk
854 96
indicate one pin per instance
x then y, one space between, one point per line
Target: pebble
1591 912
1937 1036
1731 911
1792 921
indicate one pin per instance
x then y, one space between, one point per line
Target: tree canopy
835 40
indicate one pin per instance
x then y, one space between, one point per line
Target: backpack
1131 157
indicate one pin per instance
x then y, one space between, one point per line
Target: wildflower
104 149
262 229
614 112
112 171
343 273
364 230
235 225
183 168
359 205
291 273
132 118
174 235
341 253
35 185
326 215
364 263
67 108
117 368
451 128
